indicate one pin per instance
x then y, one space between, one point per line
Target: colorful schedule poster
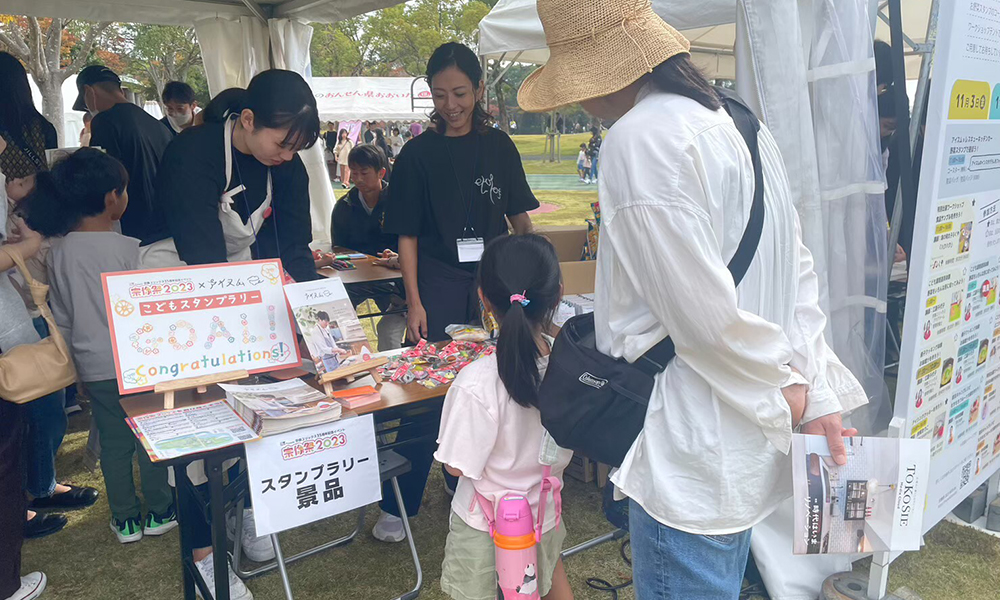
950 368
169 324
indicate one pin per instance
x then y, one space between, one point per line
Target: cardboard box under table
412 401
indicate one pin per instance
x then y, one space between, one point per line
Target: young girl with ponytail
491 430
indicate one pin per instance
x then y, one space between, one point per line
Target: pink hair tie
521 298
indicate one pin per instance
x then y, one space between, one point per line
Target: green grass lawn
540 167
534 145
574 208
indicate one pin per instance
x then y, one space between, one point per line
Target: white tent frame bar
926 50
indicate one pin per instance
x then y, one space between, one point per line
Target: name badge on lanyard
470 250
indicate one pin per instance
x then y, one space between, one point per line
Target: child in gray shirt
78 204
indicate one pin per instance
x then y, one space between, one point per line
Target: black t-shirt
170 128
330 138
138 140
191 182
446 188
354 228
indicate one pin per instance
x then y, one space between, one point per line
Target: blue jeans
669 564
593 168
45 426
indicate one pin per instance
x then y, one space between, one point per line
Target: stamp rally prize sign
185 322
306 475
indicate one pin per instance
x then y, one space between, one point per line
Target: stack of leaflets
279 407
571 306
354 398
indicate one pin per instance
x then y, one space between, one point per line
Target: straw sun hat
597 48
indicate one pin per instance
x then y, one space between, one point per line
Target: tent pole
257 10
878 575
919 108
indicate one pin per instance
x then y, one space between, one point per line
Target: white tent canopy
184 12
371 98
512 29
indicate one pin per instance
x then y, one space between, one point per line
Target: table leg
183 498
217 511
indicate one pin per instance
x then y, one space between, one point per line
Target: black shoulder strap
657 357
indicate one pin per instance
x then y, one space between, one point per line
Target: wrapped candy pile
430 367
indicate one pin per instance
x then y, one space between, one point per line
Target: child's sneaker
389 528
127 531
237 589
158 524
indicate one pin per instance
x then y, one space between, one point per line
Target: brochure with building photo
874 503
328 323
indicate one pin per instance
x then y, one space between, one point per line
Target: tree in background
51 50
340 49
394 41
158 54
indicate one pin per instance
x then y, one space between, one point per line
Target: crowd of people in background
388 136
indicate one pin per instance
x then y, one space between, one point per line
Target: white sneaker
32 586
389 529
257 549
237 589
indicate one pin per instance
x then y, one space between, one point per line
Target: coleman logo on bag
594 382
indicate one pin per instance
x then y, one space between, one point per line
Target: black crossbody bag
595 405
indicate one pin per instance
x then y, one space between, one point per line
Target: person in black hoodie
357 225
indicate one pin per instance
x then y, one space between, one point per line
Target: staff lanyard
472 187
246 204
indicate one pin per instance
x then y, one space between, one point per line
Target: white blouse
676 189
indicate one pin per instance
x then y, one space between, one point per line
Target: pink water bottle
516 538
516 550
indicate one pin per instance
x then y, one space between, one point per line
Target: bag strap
655 360
43 307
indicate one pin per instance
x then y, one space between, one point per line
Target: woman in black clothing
27 132
454 189
235 189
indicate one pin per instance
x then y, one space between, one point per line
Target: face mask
180 121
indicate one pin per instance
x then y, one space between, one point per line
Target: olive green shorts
469 568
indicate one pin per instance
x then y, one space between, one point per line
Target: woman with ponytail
491 430
234 188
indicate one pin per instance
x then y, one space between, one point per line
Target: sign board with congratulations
185 322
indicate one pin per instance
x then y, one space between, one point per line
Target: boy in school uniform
357 224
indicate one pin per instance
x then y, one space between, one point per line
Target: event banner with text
950 367
187 322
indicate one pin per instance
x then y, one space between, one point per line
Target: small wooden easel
371 366
198 384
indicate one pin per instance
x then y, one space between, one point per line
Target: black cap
89 76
